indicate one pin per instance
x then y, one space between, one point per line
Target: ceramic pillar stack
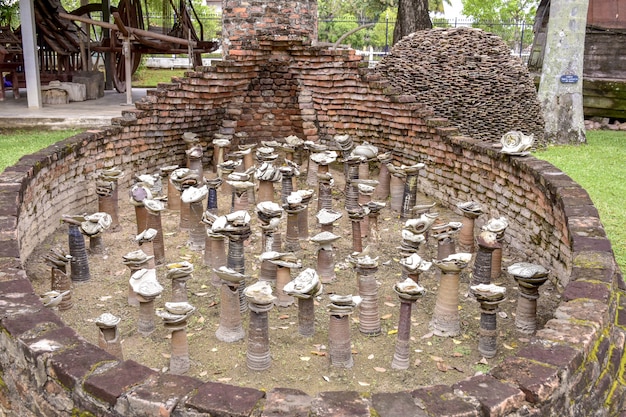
305 287
369 319
489 296
194 196
408 292
260 302
154 208
107 190
325 258
136 261
339 345
470 210
109 338
175 317
60 281
529 277
445 321
230 327
147 289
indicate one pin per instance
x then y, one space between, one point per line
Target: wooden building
604 70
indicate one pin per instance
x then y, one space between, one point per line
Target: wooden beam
120 25
132 31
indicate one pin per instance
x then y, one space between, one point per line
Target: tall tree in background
561 86
412 16
505 18
9 13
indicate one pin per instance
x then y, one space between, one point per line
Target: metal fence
378 37
517 34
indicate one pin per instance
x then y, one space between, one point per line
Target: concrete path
15 114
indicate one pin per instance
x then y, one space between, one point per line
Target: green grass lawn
600 168
15 144
149 78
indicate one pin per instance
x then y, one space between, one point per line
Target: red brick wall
244 23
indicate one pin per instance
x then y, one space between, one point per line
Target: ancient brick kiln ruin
276 82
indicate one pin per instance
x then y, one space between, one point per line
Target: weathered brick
398 404
439 400
18 303
71 366
159 394
582 289
222 400
561 356
537 381
496 398
286 402
107 386
339 404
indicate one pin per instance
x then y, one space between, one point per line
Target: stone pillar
409 197
382 189
173 195
194 196
351 190
497 226
138 193
212 201
445 233
135 261
356 216
267 174
79 263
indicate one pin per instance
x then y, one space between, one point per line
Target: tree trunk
560 91
412 16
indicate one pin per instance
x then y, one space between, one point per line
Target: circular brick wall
573 366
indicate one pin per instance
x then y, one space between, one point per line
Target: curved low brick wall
574 367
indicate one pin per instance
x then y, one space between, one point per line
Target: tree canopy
500 10
8 13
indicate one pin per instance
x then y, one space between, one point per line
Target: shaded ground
297 362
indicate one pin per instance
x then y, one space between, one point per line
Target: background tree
560 89
412 16
9 13
505 18
381 34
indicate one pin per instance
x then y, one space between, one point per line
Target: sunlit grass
15 144
600 168
149 78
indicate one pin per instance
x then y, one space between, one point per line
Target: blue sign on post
569 79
